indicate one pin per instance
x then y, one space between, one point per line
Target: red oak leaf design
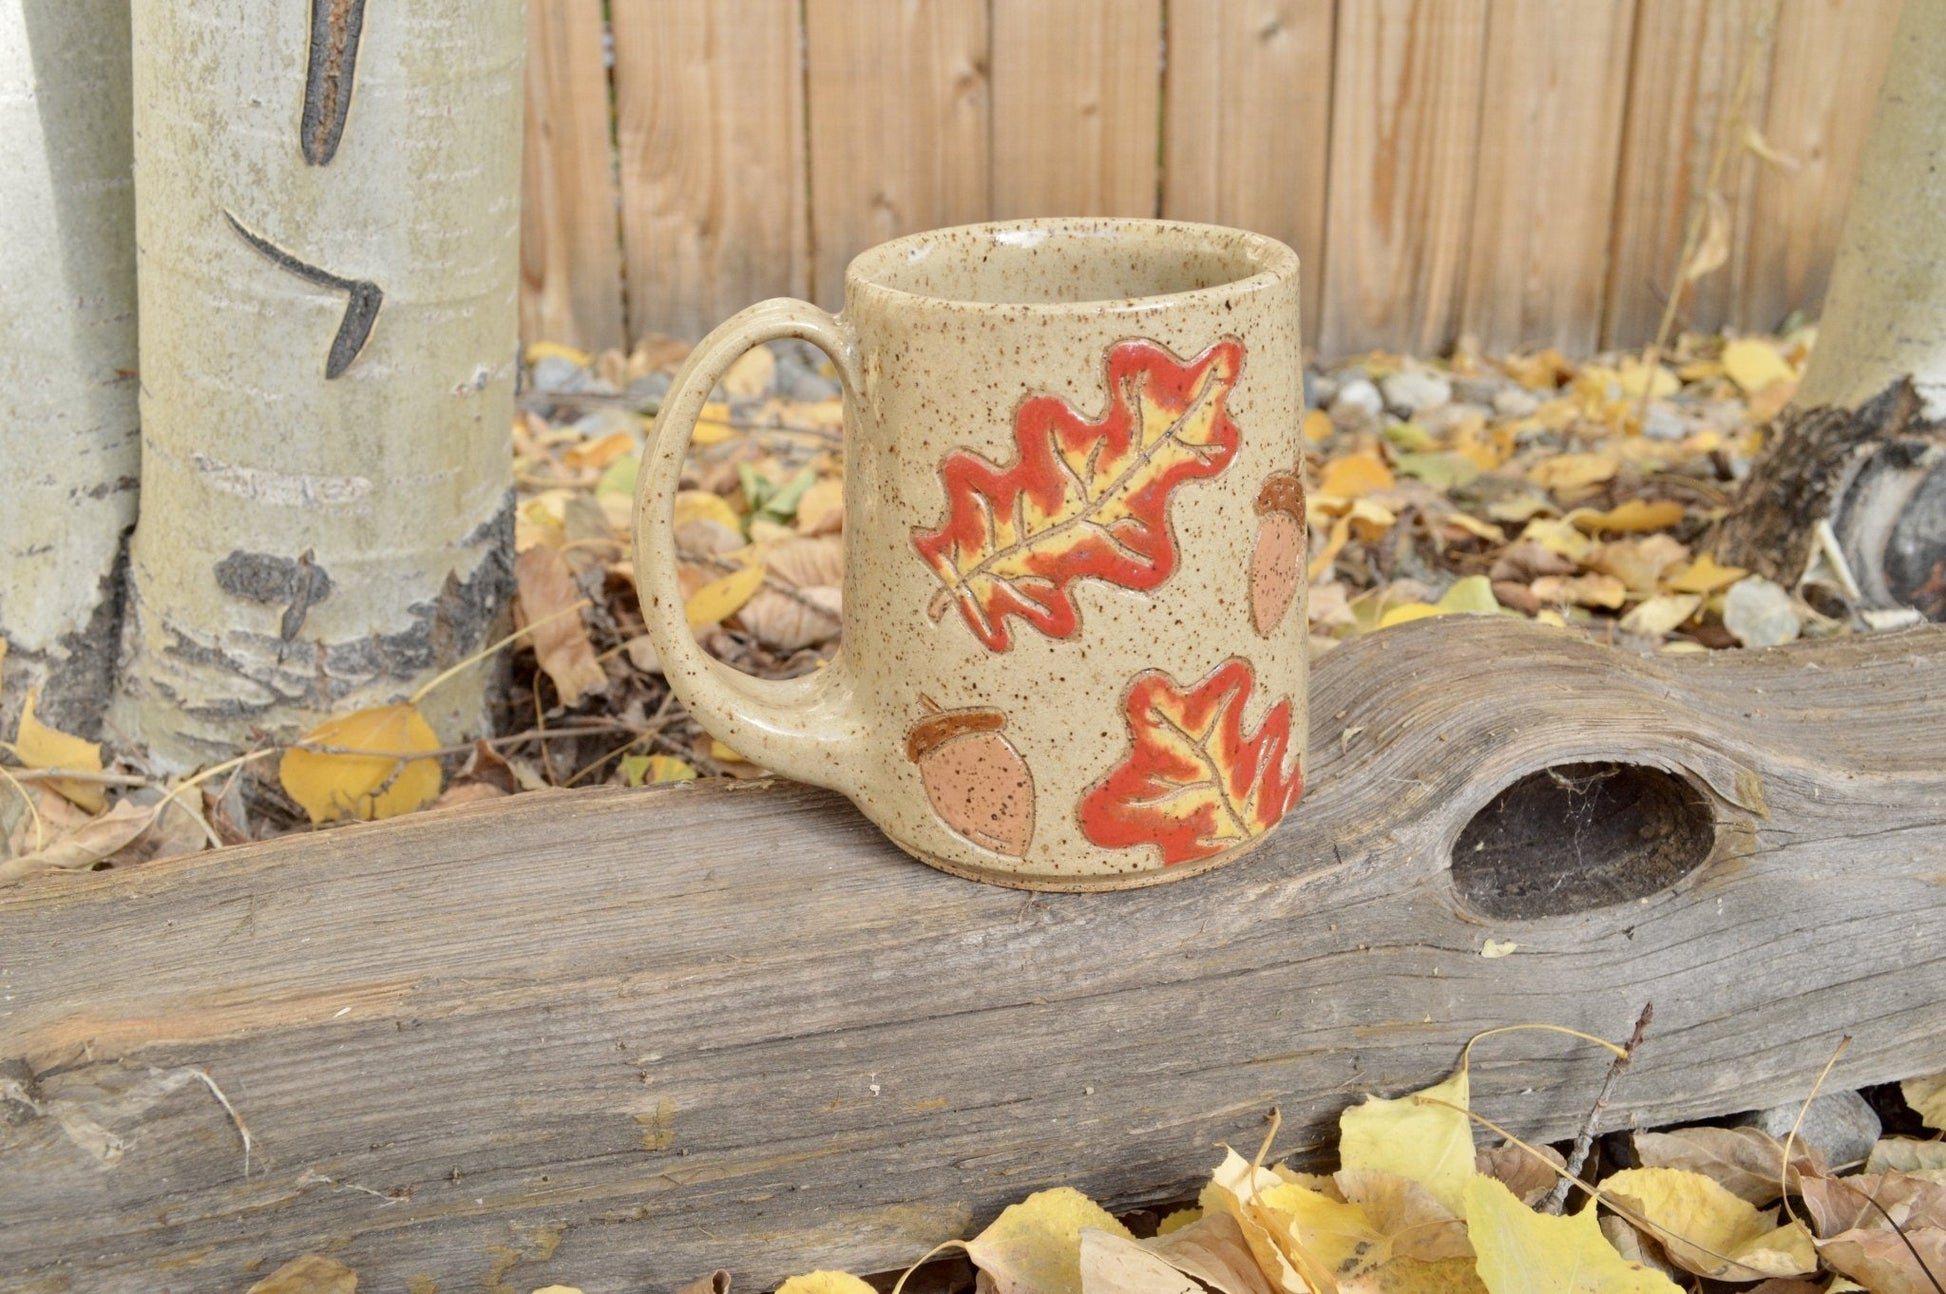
1084 500
1193 784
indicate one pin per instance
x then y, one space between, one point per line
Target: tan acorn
977 782
1277 565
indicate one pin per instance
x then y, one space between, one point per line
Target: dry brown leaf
1640 563
1840 1204
1882 1263
1713 248
1747 1163
547 592
81 846
1213 1250
1412 1220
311 1274
751 375
822 509
1525 561
801 602
1581 590
1565 474
1516 1168
1112 1264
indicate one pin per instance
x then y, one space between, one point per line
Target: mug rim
1276 263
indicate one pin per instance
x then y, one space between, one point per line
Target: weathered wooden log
618 1039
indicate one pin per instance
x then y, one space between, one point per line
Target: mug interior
1069 262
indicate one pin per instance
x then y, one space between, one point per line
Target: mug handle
806 728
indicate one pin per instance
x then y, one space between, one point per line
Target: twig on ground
1558 1199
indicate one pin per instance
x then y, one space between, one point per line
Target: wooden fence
1518 171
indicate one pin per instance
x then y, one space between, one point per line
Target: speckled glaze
1074 626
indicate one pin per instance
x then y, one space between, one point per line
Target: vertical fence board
1556 84
1077 88
710 98
1688 56
570 256
1829 61
899 120
1235 67
1404 133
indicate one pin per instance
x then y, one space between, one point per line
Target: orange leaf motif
1194 785
1085 500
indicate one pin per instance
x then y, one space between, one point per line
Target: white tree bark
69 448
1863 444
327 210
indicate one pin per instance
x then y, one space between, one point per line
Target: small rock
1478 388
1664 423
647 392
1318 389
1440 422
557 375
1841 1124
1413 390
1515 402
1759 613
1356 405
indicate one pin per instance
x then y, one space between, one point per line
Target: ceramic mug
1074 625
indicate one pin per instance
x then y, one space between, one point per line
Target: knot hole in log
1579 836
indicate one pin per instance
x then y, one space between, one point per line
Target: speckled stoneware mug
1074 626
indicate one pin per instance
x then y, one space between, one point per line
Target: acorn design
1277 565
977 782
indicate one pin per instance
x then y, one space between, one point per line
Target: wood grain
899 124
1688 55
1824 78
1404 141
1555 87
618 1039
1234 67
1077 88
570 249
710 103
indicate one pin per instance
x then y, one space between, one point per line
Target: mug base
1059 883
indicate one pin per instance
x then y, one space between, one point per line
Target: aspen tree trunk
69 446
327 213
1864 441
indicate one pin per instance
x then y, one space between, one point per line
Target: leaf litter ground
1577 493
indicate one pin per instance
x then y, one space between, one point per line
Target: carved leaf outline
1194 783
1084 499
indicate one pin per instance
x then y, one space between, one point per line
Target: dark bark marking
335 29
361 309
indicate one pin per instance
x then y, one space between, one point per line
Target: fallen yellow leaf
713 424
1112 1264
1661 614
1927 1096
540 350
1034 1247
723 754
1581 590
1429 1142
1406 612
600 453
1355 475
1704 576
702 505
1706 1229
1471 595
823 1283
330 786
1497 948
1632 515
1317 426
1567 473
1754 364
1524 1252
1558 536
38 746
722 597
81 846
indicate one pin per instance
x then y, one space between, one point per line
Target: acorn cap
1283 492
931 733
